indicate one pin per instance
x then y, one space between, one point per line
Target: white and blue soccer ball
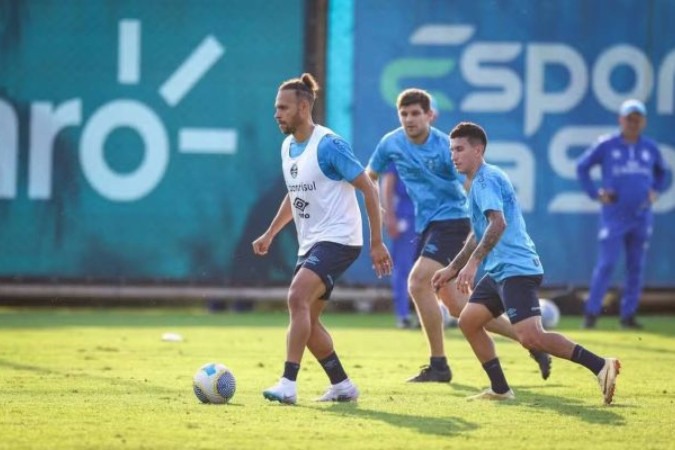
214 383
550 314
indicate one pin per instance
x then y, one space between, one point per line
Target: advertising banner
137 139
545 79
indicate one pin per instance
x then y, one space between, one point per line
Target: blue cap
632 106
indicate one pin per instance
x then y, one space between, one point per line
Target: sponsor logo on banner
509 77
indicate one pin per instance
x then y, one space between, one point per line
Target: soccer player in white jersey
499 241
420 154
322 175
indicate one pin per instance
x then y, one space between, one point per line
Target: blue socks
589 360
439 363
333 368
291 370
497 379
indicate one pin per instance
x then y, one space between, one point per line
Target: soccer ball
214 383
550 314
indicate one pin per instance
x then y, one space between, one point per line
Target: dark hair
305 86
414 97
472 131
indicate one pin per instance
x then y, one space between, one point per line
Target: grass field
102 379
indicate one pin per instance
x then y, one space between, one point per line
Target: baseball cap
632 106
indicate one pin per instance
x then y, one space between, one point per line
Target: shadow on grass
87 378
595 414
447 426
525 397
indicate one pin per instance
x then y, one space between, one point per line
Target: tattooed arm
446 274
464 254
493 232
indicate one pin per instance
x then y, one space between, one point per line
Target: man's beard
289 128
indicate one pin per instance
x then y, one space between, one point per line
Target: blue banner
545 79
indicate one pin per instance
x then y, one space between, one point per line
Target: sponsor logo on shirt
302 187
301 205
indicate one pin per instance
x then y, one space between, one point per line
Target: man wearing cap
633 173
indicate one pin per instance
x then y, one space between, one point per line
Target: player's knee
468 324
605 268
297 302
418 286
530 338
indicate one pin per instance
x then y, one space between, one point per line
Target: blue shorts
328 260
517 296
442 240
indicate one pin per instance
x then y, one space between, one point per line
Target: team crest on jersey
432 163
616 154
645 155
294 170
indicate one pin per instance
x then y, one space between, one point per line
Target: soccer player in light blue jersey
420 154
513 272
633 174
399 221
322 176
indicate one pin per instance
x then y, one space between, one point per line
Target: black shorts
328 260
517 296
442 240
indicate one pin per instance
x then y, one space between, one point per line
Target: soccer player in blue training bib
513 272
322 175
420 154
633 173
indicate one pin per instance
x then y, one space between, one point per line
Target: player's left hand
382 262
442 276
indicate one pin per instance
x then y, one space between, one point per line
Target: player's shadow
526 396
446 426
593 414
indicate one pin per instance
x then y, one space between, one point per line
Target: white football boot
489 394
607 378
284 391
344 391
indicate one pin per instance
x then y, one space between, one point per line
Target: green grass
94 379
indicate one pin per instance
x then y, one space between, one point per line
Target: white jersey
323 209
